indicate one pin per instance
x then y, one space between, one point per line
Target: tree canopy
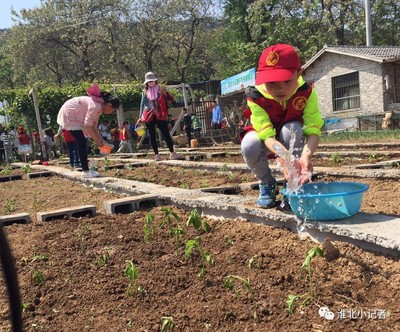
68 43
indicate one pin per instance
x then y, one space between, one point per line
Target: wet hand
288 172
306 168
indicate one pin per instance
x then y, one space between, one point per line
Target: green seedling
336 158
106 163
291 303
93 147
230 176
197 222
312 253
39 257
10 205
37 277
132 273
167 324
176 233
228 240
104 258
224 168
229 282
82 233
372 157
255 262
24 307
169 214
6 170
148 228
26 169
206 257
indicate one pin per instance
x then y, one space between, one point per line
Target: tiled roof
373 53
381 52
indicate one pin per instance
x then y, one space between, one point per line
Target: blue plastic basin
327 200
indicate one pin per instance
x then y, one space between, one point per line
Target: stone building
355 83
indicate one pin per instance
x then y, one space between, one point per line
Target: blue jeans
73 154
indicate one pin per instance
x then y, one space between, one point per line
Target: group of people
79 116
11 141
280 105
191 124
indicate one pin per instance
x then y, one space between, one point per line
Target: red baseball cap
277 63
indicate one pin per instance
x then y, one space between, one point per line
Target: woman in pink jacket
81 114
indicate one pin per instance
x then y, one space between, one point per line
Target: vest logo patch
299 103
272 59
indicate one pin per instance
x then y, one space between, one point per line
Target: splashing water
292 167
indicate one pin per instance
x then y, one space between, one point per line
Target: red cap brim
274 75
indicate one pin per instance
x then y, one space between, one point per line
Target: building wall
392 93
371 83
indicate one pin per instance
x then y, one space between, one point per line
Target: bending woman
81 114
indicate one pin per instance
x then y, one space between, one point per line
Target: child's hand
288 173
306 169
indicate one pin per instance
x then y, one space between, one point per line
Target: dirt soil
375 200
72 272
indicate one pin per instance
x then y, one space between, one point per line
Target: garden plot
382 197
163 267
166 269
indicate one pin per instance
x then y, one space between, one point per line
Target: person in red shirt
71 145
23 137
125 145
159 119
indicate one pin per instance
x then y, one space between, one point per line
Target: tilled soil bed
375 199
71 275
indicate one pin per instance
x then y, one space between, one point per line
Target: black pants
163 127
80 140
216 126
188 131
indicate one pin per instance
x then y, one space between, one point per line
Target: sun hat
149 77
277 63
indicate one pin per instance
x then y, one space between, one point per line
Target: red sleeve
171 98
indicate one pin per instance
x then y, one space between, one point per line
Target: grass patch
361 136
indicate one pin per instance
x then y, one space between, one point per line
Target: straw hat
149 77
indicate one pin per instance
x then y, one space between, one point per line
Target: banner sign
238 81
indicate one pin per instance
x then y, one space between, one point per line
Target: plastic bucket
105 149
327 200
140 131
194 143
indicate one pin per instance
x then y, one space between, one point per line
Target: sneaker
175 156
266 198
157 157
90 174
